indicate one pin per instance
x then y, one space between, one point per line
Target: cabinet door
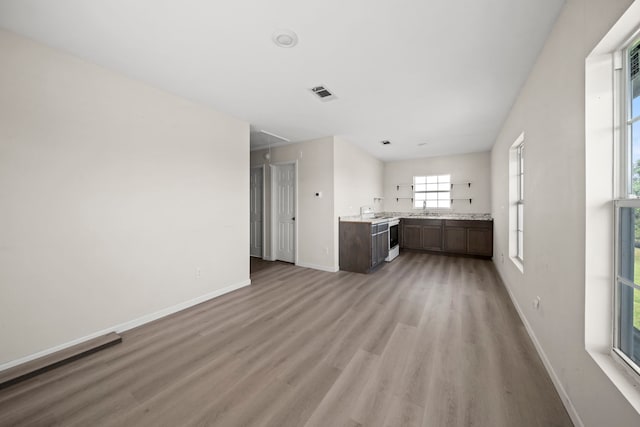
455 239
412 236
383 246
480 241
355 250
432 237
374 250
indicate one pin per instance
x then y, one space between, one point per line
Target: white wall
112 194
358 179
315 215
550 110
474 167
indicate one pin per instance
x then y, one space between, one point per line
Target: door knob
293 219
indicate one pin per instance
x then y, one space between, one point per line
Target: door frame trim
274 219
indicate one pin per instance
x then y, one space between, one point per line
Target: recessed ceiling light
285 38
385 142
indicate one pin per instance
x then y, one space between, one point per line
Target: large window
432 192
627 224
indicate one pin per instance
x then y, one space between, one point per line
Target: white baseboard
125 326
571 410
179 307
317 267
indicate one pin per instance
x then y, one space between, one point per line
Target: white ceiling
411 71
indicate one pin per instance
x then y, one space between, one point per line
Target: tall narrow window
627 224
516 202
432 192
520 202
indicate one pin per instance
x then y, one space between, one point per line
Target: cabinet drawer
432 222
468 223
379 228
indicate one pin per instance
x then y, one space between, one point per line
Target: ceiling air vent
323 93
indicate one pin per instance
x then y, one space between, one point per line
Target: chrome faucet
428 212
424 207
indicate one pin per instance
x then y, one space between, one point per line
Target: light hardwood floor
427 340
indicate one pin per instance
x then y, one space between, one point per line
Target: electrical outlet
326 251
501 258
198 273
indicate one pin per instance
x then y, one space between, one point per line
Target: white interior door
255 215
285 212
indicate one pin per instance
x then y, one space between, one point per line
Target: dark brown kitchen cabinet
379 244
480 241
412 236
468 237
432 237
464 237
455 240
363 246
422 234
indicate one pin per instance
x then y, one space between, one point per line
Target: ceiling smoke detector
385 142
323 93
285 38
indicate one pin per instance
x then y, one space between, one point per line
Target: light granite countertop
386 216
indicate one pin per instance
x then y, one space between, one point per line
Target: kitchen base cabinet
459 237
455 240
480 241
469 237
412 236
363 246
382 240
422 234
432 237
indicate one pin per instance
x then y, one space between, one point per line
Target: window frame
616 351
517 201
438 183
626 121
519 254
624 198
602 179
